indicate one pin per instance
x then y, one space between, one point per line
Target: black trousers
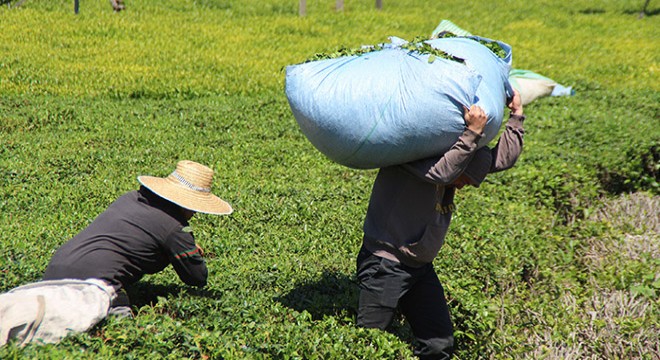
387 286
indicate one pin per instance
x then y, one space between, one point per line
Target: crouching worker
409 213
140 233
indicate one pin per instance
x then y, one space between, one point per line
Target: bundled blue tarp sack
529 84
396 105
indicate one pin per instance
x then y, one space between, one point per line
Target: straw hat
189 186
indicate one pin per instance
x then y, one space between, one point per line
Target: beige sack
47 311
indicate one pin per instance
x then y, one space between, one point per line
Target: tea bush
91 101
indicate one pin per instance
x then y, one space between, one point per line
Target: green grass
90 101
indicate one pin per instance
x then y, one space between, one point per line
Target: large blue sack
393 105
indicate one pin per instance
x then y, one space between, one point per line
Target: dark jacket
140 233
411 204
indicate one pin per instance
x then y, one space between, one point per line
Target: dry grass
605 321
599 334
638 217
638 210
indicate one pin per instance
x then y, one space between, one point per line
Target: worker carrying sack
401 101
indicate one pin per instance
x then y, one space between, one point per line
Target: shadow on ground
334 294
144 293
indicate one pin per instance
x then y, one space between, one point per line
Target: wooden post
302 8
379 4
340 5
643 12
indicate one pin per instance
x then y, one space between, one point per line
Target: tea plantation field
557 258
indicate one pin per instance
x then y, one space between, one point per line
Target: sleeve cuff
516 120
471 137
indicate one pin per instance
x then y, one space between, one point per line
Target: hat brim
173 191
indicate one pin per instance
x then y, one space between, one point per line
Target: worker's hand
201 251
475 118
516 104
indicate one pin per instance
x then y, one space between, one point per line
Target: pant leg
121 305
425 308
381 286
47 311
